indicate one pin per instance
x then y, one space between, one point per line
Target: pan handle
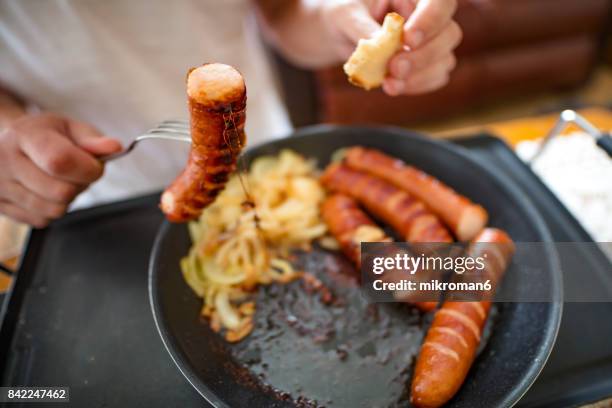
568 116
605 143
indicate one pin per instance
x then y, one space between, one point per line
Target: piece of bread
367 66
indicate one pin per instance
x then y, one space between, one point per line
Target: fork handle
159 134
113 156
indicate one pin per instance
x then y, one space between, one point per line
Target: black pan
359 366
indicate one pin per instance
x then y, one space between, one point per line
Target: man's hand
430 36
46 161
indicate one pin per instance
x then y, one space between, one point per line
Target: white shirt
121 66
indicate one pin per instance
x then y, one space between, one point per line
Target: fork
177 130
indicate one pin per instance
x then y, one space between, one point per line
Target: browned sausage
408 216
347 223
350 225
217 102
450 346
465 218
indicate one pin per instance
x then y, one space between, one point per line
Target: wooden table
529 128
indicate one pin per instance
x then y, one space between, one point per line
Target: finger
404 7
429 85
421 81
59 157
355 21
379 8
29 201
345 48
396 87
427 20
21 215
90 139
393 86
48 187
440 46
439 70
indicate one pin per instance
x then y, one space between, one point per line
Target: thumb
91 140
355 21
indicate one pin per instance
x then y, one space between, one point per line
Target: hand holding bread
411 53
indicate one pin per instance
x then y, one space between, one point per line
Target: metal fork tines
177 130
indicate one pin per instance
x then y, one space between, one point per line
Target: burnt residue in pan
321 342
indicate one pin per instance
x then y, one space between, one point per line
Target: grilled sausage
350 225
464 218
408 216
496 248
450 346
217 102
